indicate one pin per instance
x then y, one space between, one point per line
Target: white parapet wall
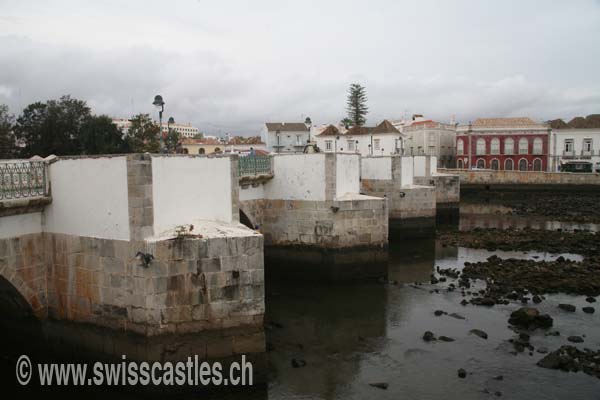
89 198
186 190
376 167
297 177
347 174
407 171
20 224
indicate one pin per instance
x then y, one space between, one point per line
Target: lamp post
160 105
170 122
278 140
308 123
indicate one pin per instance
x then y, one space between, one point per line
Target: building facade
285 137
383 139
503 144
185 130
574 145
429 138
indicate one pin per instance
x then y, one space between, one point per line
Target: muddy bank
572 206
514 279
577 242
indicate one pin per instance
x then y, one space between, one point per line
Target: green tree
52 127
347 122
7 137
172 140
356 105
143 135
100 136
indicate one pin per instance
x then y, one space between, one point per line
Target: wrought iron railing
22 179
254 165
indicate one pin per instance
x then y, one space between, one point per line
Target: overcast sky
229 66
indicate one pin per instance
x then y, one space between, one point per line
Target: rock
483 301
530 318
567 307
434 280
590 299
437 313
479 333
536 299
379 385
570 358
464 302
457 316
446 339
462 373
542 350
428 336
524 337
575 339
498 378
297 363
588 310
498 393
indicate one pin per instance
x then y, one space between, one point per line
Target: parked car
597 169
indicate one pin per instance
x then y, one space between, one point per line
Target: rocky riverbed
558 241
571 206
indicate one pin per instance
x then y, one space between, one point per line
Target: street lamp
160 105
278 133
308 123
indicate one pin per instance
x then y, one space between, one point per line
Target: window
537 164
298 140
509 146
350 145
460 147
569 146
522 164
523 146
201 151
495 164
328 145
495 146
377 144
481 163
509 165
459 164
587 146
480 146
538 146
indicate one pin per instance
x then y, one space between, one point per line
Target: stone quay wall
517 178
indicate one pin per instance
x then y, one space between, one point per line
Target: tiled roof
359 130
330 131
504 122
385 127
286 126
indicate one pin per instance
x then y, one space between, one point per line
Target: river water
352 335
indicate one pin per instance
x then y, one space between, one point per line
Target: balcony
587 154
568 154
22 179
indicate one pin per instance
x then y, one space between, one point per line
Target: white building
384 139
574 145
285 137
425 137
185 130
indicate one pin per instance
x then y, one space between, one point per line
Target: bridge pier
412 207
315 223
447 187
133 244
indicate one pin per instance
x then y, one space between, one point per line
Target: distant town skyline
228 68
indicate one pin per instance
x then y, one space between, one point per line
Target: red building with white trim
503 144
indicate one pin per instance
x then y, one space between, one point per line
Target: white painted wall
21 224
433 162
347 174
187 189
376 168
407 171
297 177
252 193
89 198
420 166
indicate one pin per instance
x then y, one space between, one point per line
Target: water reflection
480 220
